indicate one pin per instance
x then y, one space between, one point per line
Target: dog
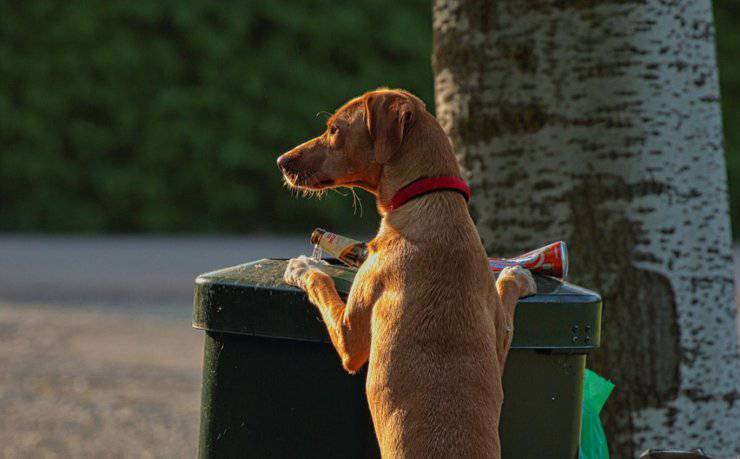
424 309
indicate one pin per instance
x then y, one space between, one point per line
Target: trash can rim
251 299
573 292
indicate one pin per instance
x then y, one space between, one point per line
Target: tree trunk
599 123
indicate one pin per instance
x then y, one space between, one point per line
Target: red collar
427 185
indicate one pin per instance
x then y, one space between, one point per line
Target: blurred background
137 148
167 117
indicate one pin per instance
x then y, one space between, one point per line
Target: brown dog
424 308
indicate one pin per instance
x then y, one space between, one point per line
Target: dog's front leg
512 284
348 324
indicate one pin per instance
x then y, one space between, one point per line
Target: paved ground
97 355
144 270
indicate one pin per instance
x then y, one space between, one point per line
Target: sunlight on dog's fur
424 311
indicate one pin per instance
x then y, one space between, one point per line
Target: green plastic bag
593 441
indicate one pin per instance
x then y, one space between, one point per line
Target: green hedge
167 116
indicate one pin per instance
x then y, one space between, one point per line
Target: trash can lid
252 299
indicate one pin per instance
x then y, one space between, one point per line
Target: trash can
273 385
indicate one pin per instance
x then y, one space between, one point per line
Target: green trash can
273 385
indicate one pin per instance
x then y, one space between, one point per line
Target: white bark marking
551 106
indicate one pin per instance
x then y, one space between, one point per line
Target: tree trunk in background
599 123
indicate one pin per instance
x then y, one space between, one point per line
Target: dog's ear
388 118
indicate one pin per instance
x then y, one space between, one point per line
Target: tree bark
598 122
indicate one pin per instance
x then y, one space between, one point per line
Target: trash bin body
273 385
265 397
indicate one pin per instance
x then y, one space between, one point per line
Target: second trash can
273 385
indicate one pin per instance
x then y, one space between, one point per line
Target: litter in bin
350 252
595 392
550 260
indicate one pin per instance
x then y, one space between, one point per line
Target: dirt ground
97 355
85 383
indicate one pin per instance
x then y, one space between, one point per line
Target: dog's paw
297 271
522 277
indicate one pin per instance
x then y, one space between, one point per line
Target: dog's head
362 136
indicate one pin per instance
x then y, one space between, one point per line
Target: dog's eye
333 130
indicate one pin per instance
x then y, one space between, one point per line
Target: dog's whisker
355 201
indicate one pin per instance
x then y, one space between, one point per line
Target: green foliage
727 23
168 116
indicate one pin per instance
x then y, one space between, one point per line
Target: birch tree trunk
598 122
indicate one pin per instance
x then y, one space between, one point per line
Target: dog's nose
284 161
